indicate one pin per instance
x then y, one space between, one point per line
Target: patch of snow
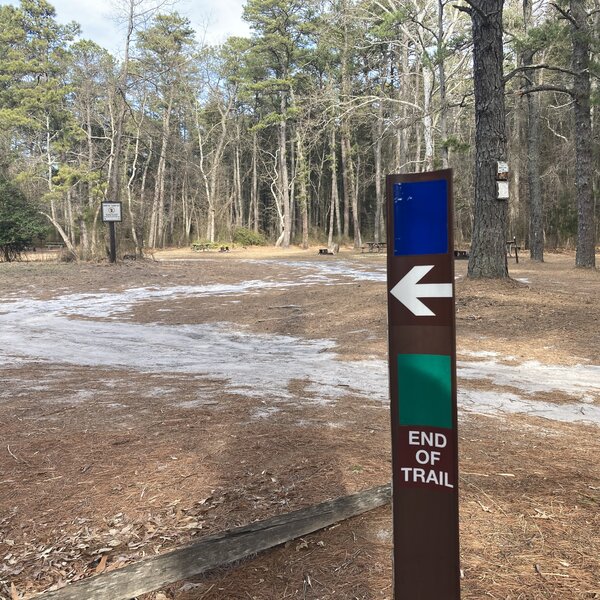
77 397
321 271
252 364
497 403
531 376
113 304
161 392
384 535
264 412
480 353
264 364
195 403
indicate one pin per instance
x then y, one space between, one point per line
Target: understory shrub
246 237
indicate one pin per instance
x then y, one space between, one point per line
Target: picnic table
206 246
374 246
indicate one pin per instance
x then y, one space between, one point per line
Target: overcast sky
214 20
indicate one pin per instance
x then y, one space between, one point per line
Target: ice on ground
531 376
493 403
265 412
319 271
252 364
113 304
326 270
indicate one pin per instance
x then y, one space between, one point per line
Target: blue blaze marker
421 218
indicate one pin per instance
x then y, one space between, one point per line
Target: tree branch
566 15
544 88
485 16
514 72
464 9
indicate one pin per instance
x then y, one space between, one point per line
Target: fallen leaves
80 550
101 565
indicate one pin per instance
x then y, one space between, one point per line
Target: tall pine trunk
536 202
334 215
254 188
284 176
378 223
158 203
302 176
580 36
488 248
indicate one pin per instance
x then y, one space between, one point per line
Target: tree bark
254 188
427 118
284 176
334 215
488 249
158 203
443 123
580 36
302 175
113 191
237 186
378 224
536 202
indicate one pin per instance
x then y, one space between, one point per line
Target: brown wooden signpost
422 355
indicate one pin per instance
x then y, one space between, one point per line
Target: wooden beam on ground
218 550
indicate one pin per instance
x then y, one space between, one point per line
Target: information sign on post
111 214
422 355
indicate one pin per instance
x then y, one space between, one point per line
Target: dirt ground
103 463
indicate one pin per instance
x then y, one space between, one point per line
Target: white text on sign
429 450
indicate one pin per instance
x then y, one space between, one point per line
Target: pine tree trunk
580 35
378 224
158 203
237 193
143 188
355 208
284 176
161 174
254 188
87 243
302 174
113 191
443 123
427 118
536 202
335 199
347 185
488 248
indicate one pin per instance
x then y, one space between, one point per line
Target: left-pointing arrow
408 290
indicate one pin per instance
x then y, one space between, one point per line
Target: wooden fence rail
218 550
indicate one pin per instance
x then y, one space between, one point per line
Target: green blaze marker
425 390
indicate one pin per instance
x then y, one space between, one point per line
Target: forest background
286 135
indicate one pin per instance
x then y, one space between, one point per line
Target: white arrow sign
408 290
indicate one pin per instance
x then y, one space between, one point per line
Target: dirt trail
150 403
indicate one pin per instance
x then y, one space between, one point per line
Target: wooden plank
218 550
